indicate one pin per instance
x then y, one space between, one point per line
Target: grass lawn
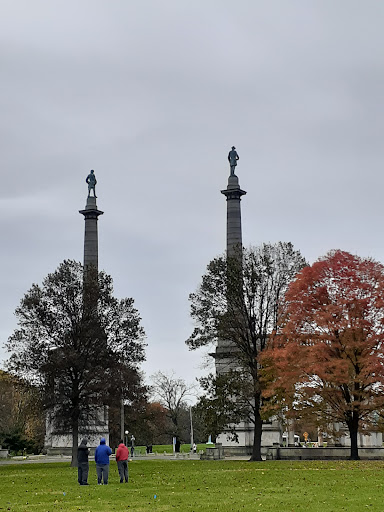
168 448
198 486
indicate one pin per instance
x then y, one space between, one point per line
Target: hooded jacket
102 452
82 452
122 453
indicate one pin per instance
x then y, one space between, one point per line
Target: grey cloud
152 95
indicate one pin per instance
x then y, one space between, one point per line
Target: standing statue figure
233 157
91 180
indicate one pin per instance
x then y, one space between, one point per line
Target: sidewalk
38 459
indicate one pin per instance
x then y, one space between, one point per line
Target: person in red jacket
122 454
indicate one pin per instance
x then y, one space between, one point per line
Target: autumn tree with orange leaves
327 358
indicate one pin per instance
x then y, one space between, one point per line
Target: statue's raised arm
91 180
233 157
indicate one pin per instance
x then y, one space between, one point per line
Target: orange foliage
327 356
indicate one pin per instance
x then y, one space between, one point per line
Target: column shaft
233 194
91 214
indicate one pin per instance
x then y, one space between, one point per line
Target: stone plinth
334 453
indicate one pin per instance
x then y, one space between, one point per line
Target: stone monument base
271 436
58 443
332 453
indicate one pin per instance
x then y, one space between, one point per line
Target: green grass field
198 486
168 448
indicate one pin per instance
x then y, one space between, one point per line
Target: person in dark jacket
122 454
132 444
82 462
102 454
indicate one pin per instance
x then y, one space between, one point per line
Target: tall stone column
233 194
225 349
98 427
57 442
91 244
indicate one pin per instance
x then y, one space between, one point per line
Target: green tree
76 342
238 304
227 400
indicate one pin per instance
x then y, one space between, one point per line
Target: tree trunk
75 440
353 427
256 449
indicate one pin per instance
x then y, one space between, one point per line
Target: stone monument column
233 194
225 349
224 360
61 442
99 426
91 250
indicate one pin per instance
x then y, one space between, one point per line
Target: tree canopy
238 304
327 357
22 423
77 342
172 392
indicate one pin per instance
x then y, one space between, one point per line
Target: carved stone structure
223 355
57 442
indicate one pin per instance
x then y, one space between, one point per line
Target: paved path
38 459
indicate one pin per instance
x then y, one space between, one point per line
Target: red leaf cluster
328 354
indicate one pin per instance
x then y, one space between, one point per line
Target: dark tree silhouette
75 341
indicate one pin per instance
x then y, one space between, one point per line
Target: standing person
122 454
102 454
132 445
82 462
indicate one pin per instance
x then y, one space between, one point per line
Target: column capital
91 211
233 190
233 193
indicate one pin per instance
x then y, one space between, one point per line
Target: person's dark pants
102 471
82 473
122 466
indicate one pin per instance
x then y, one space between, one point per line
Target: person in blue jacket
102 454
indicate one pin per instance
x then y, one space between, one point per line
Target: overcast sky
152 95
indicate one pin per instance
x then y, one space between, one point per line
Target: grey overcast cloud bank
152 95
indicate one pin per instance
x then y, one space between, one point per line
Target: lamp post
190 415
122 417
126 438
